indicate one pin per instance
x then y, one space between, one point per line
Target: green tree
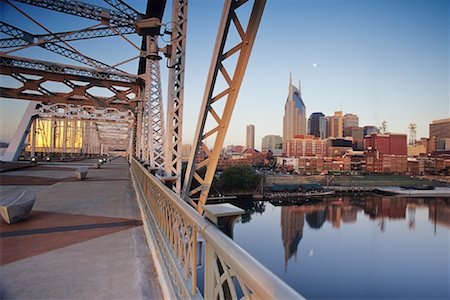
239 178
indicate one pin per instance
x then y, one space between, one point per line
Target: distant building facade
250 137
350 120
357 133
273 143
335 125
294 120
317 125
368 130
337 147
386 153
440 130
306 145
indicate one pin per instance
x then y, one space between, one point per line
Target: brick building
386 153
306 145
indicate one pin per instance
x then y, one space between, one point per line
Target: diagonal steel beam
83 34
226 96
54 47
85 10
79 80
124 8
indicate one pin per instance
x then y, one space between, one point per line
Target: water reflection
353 247
345 210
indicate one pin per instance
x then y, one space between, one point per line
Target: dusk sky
379 59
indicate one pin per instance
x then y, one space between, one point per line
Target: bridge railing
229 271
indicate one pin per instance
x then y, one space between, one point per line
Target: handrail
228 268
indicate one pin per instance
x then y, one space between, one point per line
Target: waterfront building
335 126
395 144
273 143
386 153
250 138
317 125
350 120
294 119
305 145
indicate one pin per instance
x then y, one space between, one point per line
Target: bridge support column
223 216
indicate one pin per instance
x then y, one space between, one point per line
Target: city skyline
381 60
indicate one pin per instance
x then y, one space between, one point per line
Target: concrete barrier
81 173
17 206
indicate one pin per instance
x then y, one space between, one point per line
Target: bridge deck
84 239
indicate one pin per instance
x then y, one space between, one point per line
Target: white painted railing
229 271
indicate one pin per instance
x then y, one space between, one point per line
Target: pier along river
360 247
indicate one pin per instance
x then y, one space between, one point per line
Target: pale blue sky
380 59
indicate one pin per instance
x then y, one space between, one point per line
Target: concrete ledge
17 206
81 173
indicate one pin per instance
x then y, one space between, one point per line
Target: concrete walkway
84 239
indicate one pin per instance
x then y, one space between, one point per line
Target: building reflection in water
439 212
345 210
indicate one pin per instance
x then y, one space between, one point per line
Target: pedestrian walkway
83 240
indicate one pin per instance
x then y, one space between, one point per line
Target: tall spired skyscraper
294 120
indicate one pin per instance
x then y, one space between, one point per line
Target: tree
239 178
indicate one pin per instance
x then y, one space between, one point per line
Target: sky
379 59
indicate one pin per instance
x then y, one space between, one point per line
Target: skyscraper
250 142
335 126
350 120
294 120
317 125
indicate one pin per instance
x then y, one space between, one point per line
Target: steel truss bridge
92 107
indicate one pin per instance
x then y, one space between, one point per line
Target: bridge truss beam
153 114
201 157
78 82
86 10
176 93
82 34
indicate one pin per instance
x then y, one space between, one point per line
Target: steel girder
153 115
176 93
108 115
85 10
124 8
127 89
83 34
54 47
214 95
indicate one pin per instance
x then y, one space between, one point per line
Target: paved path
84 239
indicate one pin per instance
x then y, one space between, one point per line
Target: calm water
367 247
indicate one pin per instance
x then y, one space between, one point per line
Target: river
353 247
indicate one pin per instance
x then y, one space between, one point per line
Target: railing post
210 264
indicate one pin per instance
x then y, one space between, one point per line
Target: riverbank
370 180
